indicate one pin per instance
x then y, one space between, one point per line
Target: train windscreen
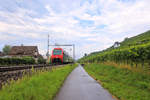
57 52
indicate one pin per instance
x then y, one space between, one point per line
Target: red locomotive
60 56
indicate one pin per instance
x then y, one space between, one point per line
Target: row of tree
136 54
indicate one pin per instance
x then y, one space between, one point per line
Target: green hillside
143 38
134 51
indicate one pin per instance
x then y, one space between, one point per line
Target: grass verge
40 86
121 82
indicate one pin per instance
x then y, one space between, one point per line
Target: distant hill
143 38
132 50
140 39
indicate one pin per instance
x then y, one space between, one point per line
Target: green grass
40 86
122 83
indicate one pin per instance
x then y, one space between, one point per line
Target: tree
6 49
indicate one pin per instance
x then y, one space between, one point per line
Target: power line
73 45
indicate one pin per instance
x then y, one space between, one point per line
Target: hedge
17 61
41 61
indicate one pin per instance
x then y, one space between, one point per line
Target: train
60 56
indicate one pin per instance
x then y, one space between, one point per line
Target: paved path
80 86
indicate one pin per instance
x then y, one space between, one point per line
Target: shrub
17 61
41 60
28 60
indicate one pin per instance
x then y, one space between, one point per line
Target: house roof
23 50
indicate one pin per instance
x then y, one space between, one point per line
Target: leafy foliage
17 61
128 54
41 60
6 49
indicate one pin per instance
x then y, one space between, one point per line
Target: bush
41 61
17 61
28 60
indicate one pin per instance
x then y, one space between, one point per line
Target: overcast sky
91 25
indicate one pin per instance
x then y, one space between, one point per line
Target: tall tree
6 49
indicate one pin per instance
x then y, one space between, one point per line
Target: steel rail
15 68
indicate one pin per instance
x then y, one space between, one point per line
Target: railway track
24 67
9 73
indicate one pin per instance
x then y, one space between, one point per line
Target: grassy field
40 86
122 83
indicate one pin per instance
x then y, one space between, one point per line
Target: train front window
57 52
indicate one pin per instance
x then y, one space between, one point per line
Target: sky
92 25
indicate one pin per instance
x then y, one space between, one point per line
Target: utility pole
48 48
74 52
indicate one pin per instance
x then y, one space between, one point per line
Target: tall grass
121 82
41 85
140 69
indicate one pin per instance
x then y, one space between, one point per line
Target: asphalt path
80 86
